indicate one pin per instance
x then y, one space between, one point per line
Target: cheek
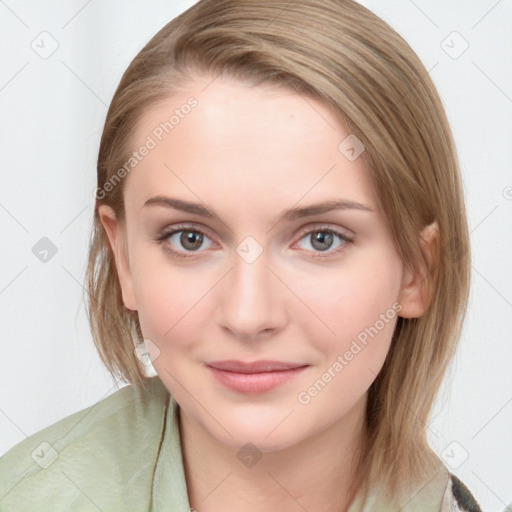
360 307
362 311
359 302
171 300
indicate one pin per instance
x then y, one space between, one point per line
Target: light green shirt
124 454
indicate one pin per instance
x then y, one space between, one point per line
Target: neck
312 475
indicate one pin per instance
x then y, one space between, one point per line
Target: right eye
190 238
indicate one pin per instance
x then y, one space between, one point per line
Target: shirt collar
169 484
170 489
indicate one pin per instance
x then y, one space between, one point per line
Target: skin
250 154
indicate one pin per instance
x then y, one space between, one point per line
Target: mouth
254 377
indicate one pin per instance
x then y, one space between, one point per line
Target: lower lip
253 383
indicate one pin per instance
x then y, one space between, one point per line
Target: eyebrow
288 215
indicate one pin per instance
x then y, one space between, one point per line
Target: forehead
261 141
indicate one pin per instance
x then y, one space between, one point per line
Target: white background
52 112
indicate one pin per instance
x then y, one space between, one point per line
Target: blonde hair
341 54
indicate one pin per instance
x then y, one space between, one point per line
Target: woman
280 231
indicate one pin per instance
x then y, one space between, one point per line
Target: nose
252 301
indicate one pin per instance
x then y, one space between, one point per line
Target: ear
117 238
415 291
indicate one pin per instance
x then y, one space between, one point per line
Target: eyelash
164 235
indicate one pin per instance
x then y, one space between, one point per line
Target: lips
254 366
254 377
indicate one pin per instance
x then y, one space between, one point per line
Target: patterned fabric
458 498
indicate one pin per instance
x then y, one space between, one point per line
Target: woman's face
266 276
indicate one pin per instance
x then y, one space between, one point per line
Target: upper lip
254 366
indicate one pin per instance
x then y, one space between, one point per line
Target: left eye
321 240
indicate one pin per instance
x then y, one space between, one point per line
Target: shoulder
96 457
458 498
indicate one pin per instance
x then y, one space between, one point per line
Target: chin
268 436
257 441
